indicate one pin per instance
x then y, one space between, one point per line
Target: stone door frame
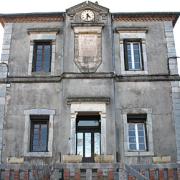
99 107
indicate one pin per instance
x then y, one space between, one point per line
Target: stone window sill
133 72
38 154
139 153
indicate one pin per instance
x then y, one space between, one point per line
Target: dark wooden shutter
125 55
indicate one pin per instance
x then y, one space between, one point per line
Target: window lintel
131 29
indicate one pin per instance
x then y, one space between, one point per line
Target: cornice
117 78
31 17
156 16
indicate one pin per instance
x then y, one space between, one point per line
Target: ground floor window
88 136
39 133
137 132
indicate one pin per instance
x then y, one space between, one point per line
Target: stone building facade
88 83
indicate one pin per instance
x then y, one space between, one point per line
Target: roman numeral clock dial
87 15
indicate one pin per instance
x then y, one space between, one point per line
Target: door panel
88 145
80 144
97 143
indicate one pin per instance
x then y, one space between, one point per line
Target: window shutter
142 61
125 56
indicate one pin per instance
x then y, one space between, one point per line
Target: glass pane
136 48
131 127
129 58
47 57
132 146
39 142
87 144
131 133
141 139
44 134
140 126
80 144
132 139
39 57
88 123
140 133
97 142
141 146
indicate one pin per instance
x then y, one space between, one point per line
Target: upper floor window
42 56
133 55
39 133
137 132
42 50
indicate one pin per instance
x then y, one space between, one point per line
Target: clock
87 15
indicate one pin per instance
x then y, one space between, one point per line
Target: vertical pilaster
103 133
176 113
3 74
73 134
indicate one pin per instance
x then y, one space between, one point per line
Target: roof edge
173 15
34 16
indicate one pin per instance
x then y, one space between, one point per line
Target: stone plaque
88 45
15 160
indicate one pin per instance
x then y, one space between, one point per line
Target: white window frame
27 132
42 36
150 151
131 34
133 57
137 137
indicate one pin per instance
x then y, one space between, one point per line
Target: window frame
42 35
88 129
35 49
136 119
40 120
131 42
149 136
129 33
27 131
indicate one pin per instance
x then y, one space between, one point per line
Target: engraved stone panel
88 45
88 48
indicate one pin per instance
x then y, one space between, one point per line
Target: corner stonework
3 75
176 113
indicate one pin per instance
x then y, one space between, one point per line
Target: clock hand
87 16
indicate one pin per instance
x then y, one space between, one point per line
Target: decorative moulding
71 100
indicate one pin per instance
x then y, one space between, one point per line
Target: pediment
87 5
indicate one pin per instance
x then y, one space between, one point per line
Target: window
39 133
133 55
137 132
42 50
42 56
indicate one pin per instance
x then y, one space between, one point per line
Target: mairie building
89 94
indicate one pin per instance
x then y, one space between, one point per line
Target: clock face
87 15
